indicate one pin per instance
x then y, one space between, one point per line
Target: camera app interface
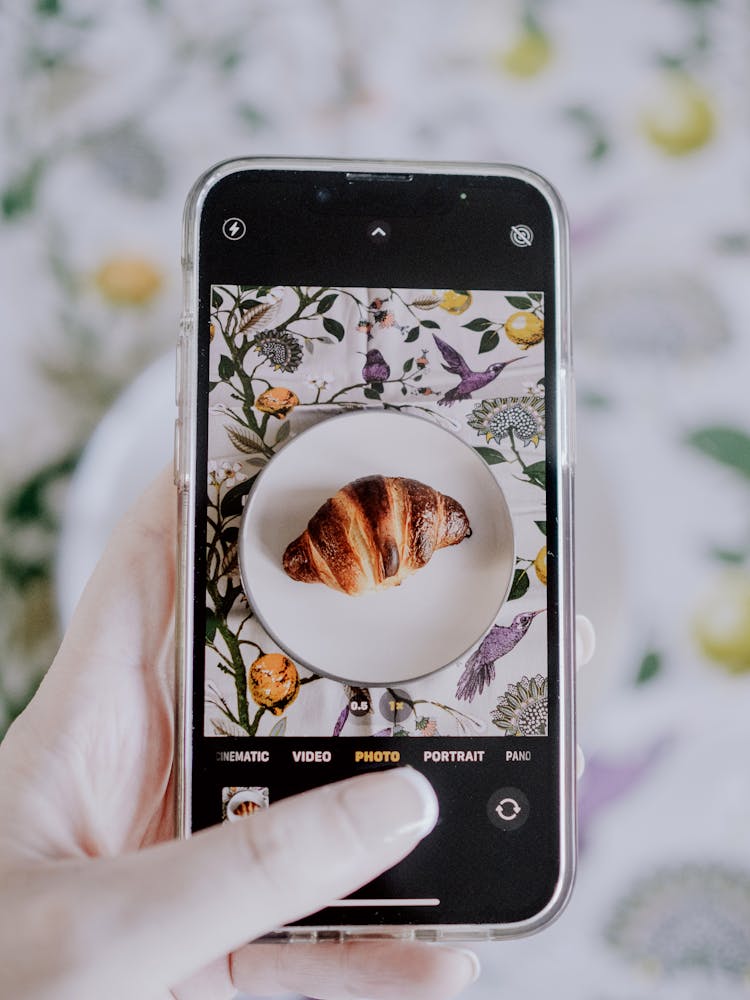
375 573
376 548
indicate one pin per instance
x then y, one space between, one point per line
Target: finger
379 970
176 907
585 640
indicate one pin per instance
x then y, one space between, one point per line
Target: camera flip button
508 808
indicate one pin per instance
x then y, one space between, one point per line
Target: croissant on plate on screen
373 533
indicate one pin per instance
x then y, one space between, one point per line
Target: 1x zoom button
508 808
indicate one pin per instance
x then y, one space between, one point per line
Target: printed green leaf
226 367
19 196
216 299
412 335
536 296
731 556
542 525
244 440
333 327
727 445
651 666
284 432
489 341
430 324
520 584
279 728
490 456
231 504
371 394
377 386
212 386
519 301
537 473
478 325
404 390
326 302
408 365
211 624
246 304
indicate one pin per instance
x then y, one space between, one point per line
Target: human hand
98 900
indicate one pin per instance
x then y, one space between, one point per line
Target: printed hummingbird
470 381
376 368
479 671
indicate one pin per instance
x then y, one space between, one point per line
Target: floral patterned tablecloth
638 113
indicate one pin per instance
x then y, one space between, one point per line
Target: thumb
166 911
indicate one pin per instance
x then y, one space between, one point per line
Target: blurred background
639 114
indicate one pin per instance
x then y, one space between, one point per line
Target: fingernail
391 805
474 966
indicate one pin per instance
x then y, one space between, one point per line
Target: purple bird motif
470 380
376 368
479 671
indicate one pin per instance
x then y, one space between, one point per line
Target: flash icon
234 229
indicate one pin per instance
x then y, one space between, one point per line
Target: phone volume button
177 452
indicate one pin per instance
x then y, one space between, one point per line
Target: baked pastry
373 533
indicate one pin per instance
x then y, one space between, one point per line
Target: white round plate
382 637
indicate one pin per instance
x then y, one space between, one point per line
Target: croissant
374 533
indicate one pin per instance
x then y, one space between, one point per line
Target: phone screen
377 576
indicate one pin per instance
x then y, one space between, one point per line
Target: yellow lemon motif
683 121
128 281
530 54
540 565
721 626
273 682
524 329
277 401
455 302
211 331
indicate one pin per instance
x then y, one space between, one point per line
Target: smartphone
374 455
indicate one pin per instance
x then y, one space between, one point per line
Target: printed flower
320 381
128 281
533 388
524 329
683 117
280 348
384 317
522 710
455 302
277 401
426 727
686 918
273 682
540 565
364 327
496 418
225 472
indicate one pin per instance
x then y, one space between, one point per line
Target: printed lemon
273 682
721 626
455 302
277 401
524 329
540 565
128 281
530 54
683 119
